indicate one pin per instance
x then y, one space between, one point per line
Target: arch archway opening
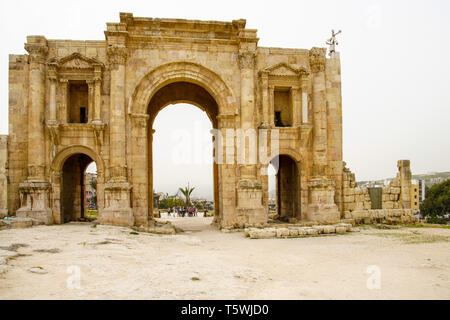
182 115
284 188
78 189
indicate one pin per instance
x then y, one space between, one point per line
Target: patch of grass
38 267
134 233
195 279
426 225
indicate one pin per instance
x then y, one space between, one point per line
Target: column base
3 213
44 216
117 209
250 209
322 207
117 217
34 199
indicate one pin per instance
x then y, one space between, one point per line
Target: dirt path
203 263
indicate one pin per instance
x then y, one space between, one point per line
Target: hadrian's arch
99 99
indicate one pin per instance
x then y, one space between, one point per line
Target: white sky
394 54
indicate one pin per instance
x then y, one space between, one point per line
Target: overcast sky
394 54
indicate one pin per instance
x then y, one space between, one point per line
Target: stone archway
290 185
174 83
74 159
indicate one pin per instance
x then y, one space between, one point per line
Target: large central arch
169 84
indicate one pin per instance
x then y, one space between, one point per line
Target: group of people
182 211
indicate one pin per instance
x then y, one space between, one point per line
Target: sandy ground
204 263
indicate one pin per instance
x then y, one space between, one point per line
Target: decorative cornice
317 59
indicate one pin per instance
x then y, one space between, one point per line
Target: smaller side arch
64 154
56 172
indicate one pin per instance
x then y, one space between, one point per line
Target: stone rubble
295 232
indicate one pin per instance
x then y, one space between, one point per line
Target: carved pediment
75 61
284 70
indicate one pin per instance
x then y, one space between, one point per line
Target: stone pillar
405 183
117 56
334 126
321 202
52 103
64 108
249 189
296 106
52 122
139 170
117 190
305 103
265 100
97 100
317 61
91 87
35 190
272 106
37 48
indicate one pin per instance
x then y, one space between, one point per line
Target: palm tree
187 191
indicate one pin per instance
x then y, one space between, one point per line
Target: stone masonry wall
358 205
3 176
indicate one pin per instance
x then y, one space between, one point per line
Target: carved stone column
117 190
64 108
52 123
321 202
317 61
265 100
249 189
139 169
91 87
35 190
117 57
305 103
296 106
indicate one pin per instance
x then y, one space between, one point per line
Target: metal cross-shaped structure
332 42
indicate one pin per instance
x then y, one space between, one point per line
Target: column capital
37 52
117 55
247 59
317 59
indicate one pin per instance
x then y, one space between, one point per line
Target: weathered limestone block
341 230
329 229
312 231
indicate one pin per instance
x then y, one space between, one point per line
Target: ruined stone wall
3 176
357 202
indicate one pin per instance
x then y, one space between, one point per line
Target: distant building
417 193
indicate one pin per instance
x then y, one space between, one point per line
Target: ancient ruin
74 102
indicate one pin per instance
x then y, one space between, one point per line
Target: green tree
93 184
187 191
437 201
